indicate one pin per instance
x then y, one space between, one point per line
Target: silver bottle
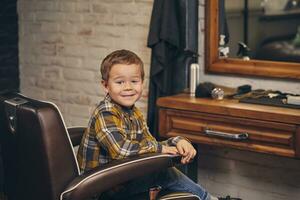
194 78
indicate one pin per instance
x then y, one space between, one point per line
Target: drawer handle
240 136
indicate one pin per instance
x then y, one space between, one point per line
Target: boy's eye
135 81
119 82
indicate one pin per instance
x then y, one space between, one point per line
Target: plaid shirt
115 132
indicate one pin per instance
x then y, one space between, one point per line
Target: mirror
260 64
268 28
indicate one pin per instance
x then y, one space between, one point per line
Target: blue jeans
170 179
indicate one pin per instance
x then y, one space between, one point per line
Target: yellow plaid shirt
115 132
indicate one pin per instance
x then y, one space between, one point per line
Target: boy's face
125 84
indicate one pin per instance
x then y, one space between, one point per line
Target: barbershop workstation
150 100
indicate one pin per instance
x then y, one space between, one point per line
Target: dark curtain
173 38
9 60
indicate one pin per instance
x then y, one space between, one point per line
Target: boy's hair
120 57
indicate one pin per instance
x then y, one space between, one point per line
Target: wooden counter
228 123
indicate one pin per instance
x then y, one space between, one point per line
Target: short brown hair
120 57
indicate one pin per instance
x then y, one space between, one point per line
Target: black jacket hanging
173 38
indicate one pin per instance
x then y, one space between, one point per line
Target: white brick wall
61 45
63 42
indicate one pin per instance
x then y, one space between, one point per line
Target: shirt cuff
173 141
159 148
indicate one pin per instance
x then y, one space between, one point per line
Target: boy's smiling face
125 84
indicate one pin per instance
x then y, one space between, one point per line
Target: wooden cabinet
228 123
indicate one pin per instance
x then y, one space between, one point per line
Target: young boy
117 130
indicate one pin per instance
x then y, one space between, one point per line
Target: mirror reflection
260 29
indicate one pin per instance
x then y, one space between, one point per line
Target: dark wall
9 72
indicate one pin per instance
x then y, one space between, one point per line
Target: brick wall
63 42
61 45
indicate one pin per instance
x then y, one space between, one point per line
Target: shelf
280 15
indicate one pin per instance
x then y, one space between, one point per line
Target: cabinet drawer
262 136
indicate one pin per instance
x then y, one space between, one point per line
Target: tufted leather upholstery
39 161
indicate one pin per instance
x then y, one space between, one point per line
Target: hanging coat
173 38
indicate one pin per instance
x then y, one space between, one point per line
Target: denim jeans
170 179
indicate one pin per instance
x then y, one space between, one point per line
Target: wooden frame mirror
214 64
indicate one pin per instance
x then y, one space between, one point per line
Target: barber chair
40 163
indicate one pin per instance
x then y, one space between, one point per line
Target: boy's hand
169 150
187 151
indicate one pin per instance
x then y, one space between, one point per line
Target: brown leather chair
40 163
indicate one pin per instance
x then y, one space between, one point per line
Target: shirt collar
127 110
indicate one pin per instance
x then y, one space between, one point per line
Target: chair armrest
100 179
76 134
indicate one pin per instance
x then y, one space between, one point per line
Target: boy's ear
105 85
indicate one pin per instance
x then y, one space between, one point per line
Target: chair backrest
37 150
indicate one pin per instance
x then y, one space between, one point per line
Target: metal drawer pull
240 136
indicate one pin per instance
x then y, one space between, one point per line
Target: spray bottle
223 50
